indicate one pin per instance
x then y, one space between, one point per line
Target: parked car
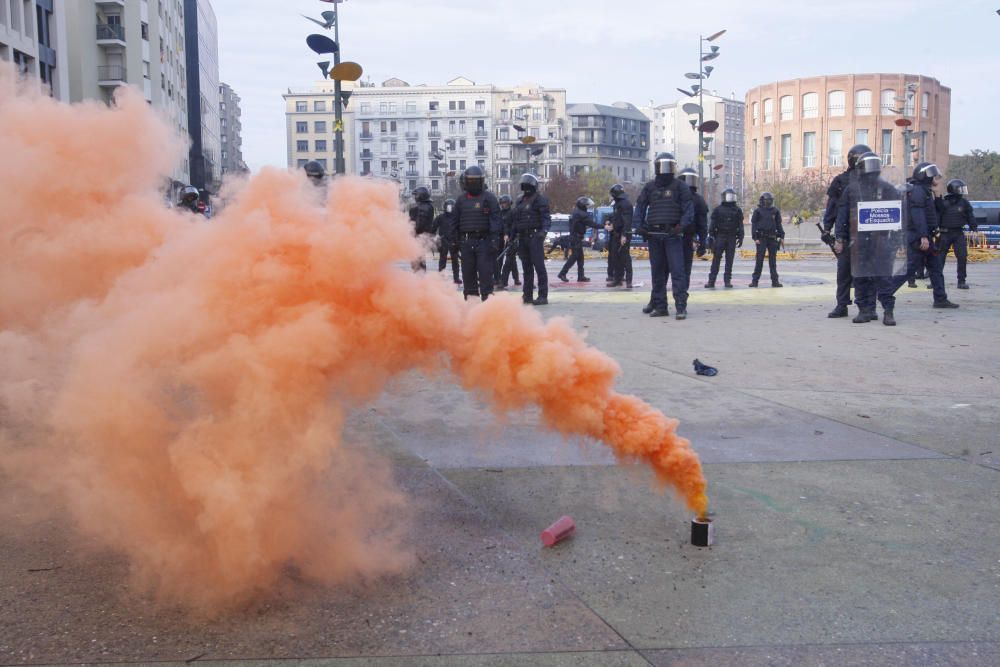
987 214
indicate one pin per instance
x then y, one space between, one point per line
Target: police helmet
729 196
583 203
505 199
926 171
664 163
856 151
957 186
314 169
449 205
529 183
422 194
689 176
473 180
617 191
766 199
188 194
869 163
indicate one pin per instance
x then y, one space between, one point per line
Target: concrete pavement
853 474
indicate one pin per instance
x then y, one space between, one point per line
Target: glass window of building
321 145
767 152
768 111
810 105
808 149
836 147
888 105
861 137
319 106
786 151
925 103
862 102
753 113
886 153
301 107
319 126
786 105
835 103
301 127
302 146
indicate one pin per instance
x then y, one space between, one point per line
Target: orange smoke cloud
181 386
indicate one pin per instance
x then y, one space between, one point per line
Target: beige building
542 113
310 124
806 126
139 43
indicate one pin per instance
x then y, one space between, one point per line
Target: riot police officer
477 222
619 225
956 213
189 198
422 216
833 193
725 234
696 234
872 254
579 221
316 172
767 232
663 212
532 220
922 225
444 226
508 256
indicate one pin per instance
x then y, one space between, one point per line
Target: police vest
766 223
526 218
728 219
578 222
664 207
473 214
507 220
954 214
623 207
425 218
922 193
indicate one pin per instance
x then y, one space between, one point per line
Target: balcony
808 161
111 76
481 132
413 155
105 4
366 136
413 136
110 35
366 154
434 134
412 173
481 153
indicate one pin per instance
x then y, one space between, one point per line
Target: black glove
739 242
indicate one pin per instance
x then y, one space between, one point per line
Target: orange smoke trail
180 386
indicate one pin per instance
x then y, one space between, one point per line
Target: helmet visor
729 197
930 171
666 165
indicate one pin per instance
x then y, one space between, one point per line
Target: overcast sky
604 51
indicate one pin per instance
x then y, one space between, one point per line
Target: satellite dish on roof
709 126
691 108
346 71
322 44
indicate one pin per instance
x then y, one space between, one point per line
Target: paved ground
853 473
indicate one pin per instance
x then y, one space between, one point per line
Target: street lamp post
704 57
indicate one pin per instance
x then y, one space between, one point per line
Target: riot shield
878 242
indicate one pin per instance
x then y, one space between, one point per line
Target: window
835 103
785 104
366 107
810 105
768 111
753 113
366 167
925 103
301 127
888 105
754 152
302 163
886 147
809 149
863 103
319 106
480 105
836 147
319 127
433 106
144 31
451 105
861 137
301 107
411 107
383 107
302 146
786 151
767 152
321 145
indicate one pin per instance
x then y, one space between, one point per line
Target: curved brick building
806 126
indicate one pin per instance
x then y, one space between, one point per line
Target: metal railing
412 154
481 132
412 135
434 134
412 174
111 73
366 136
110 31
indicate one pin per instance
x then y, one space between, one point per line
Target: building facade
310 123
804 127
201 45
519 113
615 138
33 37
674 132
231 129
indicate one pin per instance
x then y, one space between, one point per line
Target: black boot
962 285
945 304
562 277
839 311
753 283
583 279
682 314
648 308
887 318
911 283
659 312
710 284
541 301
862 317
729 284
775 283
628 284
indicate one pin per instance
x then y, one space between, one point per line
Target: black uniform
867 289
696 234
447 244
532 220
766 229
837 187
664 210
422 215
921 221
619 257
477 221
509 258
579 221
726 232
955 213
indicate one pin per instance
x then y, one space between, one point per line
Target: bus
987 214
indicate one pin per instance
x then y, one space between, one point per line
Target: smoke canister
558 531
702 532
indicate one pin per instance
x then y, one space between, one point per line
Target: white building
33 37
538 112
232 131
310 124
673 132
113 43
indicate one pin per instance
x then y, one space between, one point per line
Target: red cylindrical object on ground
558 531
